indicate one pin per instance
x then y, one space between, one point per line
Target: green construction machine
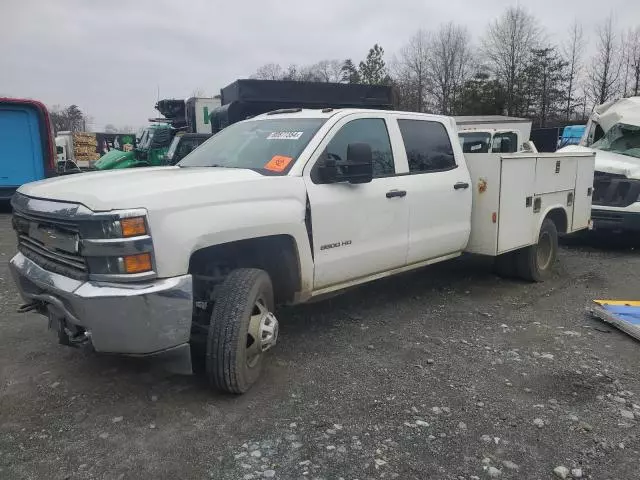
149 151
153 147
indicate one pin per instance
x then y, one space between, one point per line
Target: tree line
512 69
73 119
69 118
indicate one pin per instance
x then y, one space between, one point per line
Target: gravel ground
445 373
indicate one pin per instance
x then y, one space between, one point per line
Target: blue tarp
624 314
571 134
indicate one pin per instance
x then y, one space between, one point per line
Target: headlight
133 227
118 246
125 227
127 264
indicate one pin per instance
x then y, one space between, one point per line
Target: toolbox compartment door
515 218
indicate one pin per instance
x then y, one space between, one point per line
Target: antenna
158 92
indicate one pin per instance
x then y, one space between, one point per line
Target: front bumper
615 220
135 319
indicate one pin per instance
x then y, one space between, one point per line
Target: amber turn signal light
132 227
137 263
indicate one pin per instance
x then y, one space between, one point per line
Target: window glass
372 131
621 138
505 142
427 145
475 142
270 145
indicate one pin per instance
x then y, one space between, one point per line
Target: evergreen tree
350 72
373 69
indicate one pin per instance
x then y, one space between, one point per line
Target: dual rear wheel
533 263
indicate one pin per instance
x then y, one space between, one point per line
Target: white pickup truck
281 208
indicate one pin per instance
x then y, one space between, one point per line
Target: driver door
358 230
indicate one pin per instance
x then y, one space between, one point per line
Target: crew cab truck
613 133
282 208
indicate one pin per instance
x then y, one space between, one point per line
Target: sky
111 58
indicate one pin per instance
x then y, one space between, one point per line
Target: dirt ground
445 373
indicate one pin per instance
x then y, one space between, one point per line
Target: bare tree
631 63
269 71
328 70
634 52
411 71
198 93
70 118
507 44
604 74
323 71
449 63
572 52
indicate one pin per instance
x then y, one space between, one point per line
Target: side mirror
359 163
357 168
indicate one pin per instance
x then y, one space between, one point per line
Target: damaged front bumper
616 219
139 319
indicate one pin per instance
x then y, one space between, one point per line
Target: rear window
475 142
427 145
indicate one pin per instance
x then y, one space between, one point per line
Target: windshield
475 142
145 139
172 148
269 146
621 138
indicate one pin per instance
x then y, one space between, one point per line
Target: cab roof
331 112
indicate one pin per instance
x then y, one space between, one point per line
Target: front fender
549 206
180 231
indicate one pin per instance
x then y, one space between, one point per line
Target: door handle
396 193
461 185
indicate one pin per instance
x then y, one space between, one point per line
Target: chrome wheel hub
262 334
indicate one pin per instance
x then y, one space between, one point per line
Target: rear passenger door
438 189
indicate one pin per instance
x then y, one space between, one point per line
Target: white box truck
613 134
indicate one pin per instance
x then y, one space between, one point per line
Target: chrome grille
49 255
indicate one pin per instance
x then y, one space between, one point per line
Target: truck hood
625 110
610 162
153 188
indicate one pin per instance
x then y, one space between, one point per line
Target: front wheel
242 329
535 263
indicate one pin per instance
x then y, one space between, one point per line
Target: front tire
535 263
242 328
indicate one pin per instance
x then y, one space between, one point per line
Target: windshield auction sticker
284 135
278 163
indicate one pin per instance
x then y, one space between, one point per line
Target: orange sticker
278 163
